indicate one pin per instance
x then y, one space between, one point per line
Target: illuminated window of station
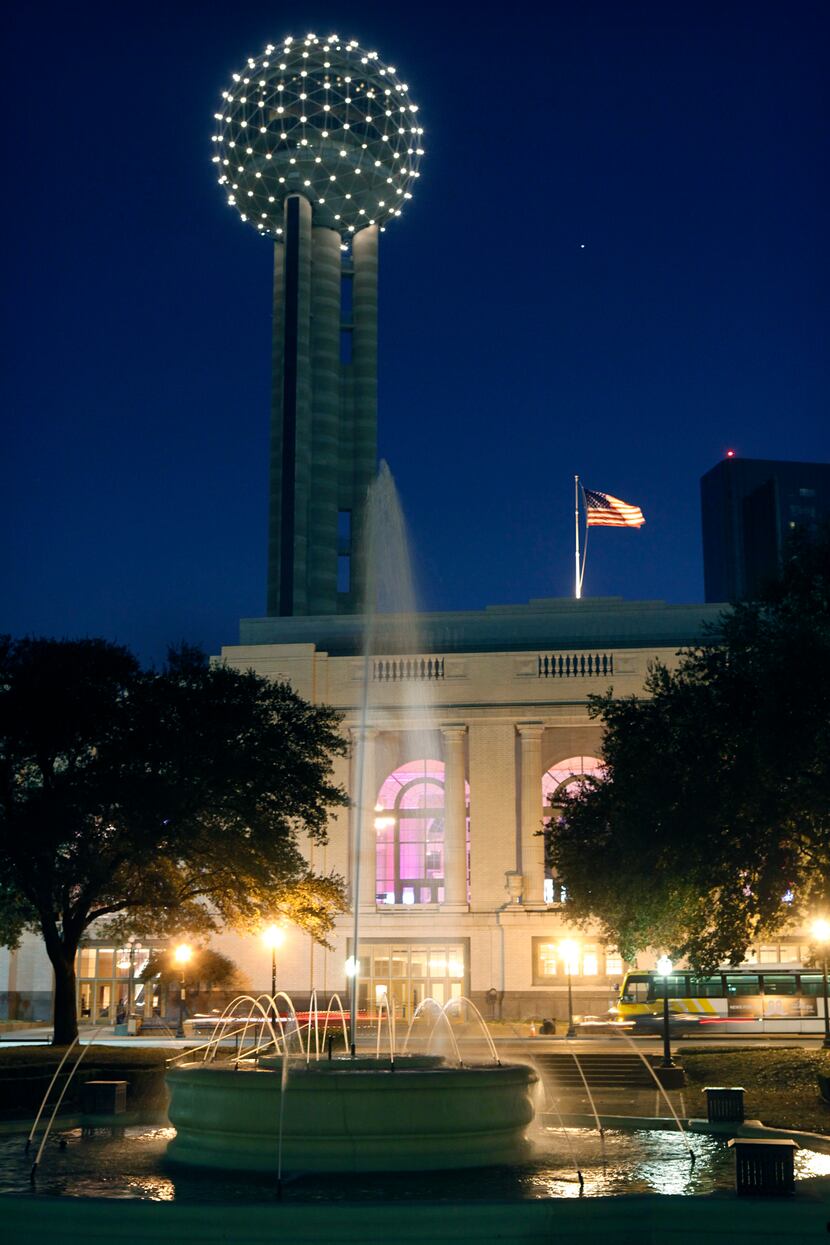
784 952
591 959
405 973
409 825
108 982
555 782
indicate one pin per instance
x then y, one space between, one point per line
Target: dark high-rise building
748 507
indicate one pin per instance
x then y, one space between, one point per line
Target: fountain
350 1115
390 1112
396 1112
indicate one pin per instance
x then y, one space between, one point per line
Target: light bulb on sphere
320 117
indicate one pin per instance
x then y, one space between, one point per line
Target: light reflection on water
134 1167
811 1163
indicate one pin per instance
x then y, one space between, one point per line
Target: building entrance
406 973
109 983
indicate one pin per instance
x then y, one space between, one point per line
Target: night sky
616 263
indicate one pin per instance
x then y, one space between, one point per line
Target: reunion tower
317 146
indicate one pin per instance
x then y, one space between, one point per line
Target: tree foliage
711 822
206 966
159 801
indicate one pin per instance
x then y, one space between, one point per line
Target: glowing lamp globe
323 118
569 954
273 937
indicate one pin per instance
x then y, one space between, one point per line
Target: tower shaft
323 414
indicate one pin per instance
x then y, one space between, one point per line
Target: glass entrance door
407 973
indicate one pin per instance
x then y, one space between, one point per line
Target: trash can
764 1166
104 1097
724 1105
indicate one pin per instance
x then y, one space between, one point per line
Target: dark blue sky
616 263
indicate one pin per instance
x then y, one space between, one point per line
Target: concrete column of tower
325 361
455 816
363 811
275 459
531 806
292 323
364 389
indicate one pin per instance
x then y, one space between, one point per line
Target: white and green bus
778 999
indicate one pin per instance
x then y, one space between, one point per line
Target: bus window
706 987
676 984
635 989
742 983
779 983
811 983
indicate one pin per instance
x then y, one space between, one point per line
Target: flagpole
577 576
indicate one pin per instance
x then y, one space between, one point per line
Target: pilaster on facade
362 784
492 810
455 817
531 813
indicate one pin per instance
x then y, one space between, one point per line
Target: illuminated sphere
323 118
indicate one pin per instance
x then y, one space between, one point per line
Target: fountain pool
350 1115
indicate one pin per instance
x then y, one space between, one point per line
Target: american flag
603 510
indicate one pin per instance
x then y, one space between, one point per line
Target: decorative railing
576 665
402 669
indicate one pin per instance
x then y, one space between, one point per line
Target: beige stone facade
496 718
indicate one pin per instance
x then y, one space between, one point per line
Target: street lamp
182 956
663 968
820 929
568 952
273 937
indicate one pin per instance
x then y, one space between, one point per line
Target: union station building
469 744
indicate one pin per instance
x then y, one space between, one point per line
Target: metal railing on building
575 665
402 669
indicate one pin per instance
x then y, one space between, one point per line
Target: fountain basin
350 1115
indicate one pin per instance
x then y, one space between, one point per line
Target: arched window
555 782
565 774
409 824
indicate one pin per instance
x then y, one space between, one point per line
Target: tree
711 821
205 966
207 970
159 801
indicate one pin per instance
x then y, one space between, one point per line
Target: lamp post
134 945
352 968
182 956
273 937
820 930
568 951
664 967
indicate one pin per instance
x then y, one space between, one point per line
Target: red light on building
730 453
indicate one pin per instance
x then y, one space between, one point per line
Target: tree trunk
66 1012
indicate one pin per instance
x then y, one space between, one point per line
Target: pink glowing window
565 773
555 783
409 824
